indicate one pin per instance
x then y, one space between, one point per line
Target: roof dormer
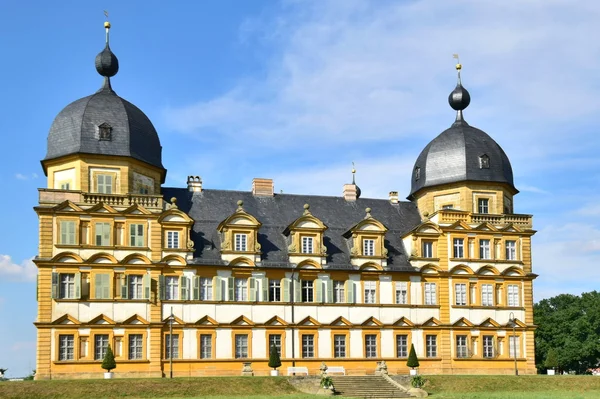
239 236
367 241
305 238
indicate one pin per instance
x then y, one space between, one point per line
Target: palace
203 282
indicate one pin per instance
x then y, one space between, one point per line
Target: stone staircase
367 386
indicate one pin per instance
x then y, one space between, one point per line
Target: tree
551 361
274 360
109 360
571 325
412 361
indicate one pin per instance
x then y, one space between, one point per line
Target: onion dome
104 123
461 153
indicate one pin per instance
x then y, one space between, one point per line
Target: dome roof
461 153
104 123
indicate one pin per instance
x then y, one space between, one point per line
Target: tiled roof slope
210 207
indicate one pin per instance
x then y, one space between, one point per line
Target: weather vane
106 14
353 172
458 65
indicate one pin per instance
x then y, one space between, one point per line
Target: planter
550 371
108 375
413 372
274 373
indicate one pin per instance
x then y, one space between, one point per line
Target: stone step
367 387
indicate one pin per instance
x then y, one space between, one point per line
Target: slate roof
453 156
75 129
209 207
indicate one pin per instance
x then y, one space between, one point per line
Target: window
307 245
136 235
484 249
513 295
100 346
135 346
206 289
172 284
488 347
370 291
369 247
241 289
136 286
401 292
66 347
172 239
338 292
483 205
67 286
307 290
241 346
67 233
430 294
511 250
460 294
487 295
484 162
514 346
241 242
102 286
308 346
103 234
104 132
275 339
205 346
427 250
104 184
417 173
274 290
172 346
65 186
401 345
431 345
461 346
370 345
459 248
339 346
448 206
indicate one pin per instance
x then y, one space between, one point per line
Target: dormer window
307 245
241 242
105 132
417 173
369 247
484 162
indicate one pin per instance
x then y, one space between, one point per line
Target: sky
297 91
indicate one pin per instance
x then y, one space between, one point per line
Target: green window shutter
252 288
231 288
184 288
329 284
217 288
55 285
196 288
63 232
146 285
286 288
125 287
132 235
161 287
77 285
350 291
297 290
318 284
98 286
265 289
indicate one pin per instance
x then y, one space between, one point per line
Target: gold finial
106 25
353 173
458 65
306 209
173 203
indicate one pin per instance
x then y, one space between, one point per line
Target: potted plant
109 363
412 361
274 361
327 382
551 362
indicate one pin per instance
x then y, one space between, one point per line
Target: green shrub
109 360
326 382
551 361
274 359
417 381
412 361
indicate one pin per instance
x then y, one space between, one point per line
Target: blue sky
296 91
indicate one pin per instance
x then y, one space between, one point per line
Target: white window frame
66 347
370 346
274 290
172 239
308 346
427 249
460 294
488 347
487 295
511 250
308 290
370 288
514 343
368 247
307 245
402 346
241 242
275 339
339 346
67 286
483 205
175 353
459 248
136 346
136 286
100 346
206 288
484 249
241 289
462 346
513 295
430 294
172 288
241 346
205 346
431 346
401 292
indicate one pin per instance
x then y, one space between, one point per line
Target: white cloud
21 176
26 271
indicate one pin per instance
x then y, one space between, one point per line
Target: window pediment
67 206
305 235
101 319
66 319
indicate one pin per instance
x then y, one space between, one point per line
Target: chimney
394 197
262 187
194 184
351 192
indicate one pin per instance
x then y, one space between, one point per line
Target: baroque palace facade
205 280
